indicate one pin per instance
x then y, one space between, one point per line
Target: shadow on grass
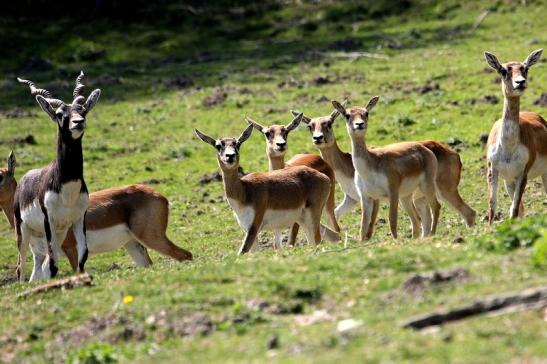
195 46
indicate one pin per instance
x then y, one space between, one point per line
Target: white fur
508 161
67 206
273 219
108 239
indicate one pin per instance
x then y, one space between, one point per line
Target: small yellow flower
127 299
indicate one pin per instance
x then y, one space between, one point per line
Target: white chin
76 133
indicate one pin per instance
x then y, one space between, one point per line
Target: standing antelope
271 200
517 144
276 147
391 172
51 200
133 217
448 175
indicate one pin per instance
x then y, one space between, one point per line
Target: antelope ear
256 125
339 107
92 100
11 163
305 119
206 138
373 101
245 135
533 58
46 106
294 123
493 62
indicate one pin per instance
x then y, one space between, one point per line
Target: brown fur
142 208
530 127
449 164
396 162
283 189
276 156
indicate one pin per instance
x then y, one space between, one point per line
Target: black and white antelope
51 200
517 145
271 200
133 217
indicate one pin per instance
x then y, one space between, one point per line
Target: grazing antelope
276 147
53 199
271 200
517 145
391 172
448 175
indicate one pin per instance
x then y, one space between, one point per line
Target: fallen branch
534 298
480 19
356 55
84 279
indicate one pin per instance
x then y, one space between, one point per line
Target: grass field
268 306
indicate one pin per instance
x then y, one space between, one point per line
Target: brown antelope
51 200
271 200
391 172
448 175
133 217
517 145
276 147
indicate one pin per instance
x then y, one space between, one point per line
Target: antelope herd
53 213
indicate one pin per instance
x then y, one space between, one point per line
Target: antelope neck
509 134
70 160
333 155
359 149
233 187
276 162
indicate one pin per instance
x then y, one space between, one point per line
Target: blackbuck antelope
270 200
391 172
132 217
517 145
53 199
277 137
449 168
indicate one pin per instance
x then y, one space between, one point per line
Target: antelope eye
1 178
267 134
509 68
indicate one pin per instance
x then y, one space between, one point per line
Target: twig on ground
84 279
356 55
480 19
534 298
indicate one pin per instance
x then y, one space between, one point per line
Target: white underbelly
280 219
509 164
539 168
108 239
347 184
410 184
33 217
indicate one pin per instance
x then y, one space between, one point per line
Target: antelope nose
359 124
317 138
520 81
281 144
230 157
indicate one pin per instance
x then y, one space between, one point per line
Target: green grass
142 129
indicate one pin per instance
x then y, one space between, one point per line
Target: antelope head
276 135
513 74
70 118
356 117
320 128
227 148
